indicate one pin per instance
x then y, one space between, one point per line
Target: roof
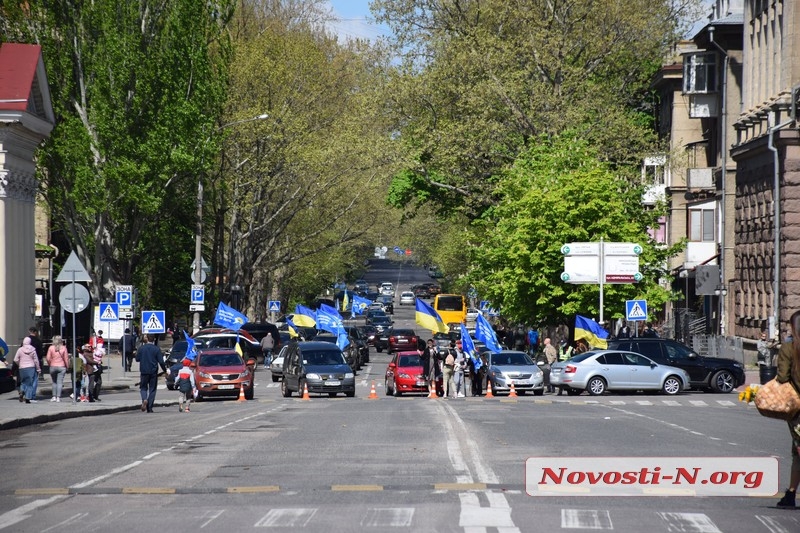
23 85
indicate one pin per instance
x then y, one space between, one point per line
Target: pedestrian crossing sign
274 306
636 310
153 322
109 311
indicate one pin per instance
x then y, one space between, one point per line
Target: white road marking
388 517
773 524
644 402
585 519
21 513
726 403
698 403
72 519
694 522
671 403
286 518
213 515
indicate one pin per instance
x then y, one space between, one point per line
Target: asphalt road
392 464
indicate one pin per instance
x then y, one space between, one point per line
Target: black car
259 329
387 302
7 382
172 357
360 287
361 341
705 373
370 333
350 351
320 366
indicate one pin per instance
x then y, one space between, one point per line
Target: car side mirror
392 365
692 356
653 365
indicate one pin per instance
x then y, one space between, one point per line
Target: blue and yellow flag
228 317
591 332
360 304
292 328
304 317
345 301
427 317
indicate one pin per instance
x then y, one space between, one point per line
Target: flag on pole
191 352
485 334
228 317
360 304
591 332
427 317
292 328
305 317
469 347
345 301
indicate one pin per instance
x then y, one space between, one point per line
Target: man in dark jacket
149 357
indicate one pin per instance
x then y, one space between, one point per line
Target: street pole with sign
74 300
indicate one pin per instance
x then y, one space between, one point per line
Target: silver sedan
509 367
276 365
605 370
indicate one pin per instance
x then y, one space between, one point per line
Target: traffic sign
198 294
109 312
484 306
472 292
636 310
195 308
397 250
274 306
73 298
124 296
153 322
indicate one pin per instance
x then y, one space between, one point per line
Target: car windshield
382 320
505 359
220 359
324 357
325 338
385 299
179 347
403 332
409 360
209 342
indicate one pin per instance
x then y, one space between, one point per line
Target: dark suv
318 365
705 373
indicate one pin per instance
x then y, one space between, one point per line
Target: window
654 170
700 73
612 358
702 225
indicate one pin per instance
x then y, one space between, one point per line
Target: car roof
317 345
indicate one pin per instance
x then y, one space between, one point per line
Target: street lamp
198 249
33 310
52 309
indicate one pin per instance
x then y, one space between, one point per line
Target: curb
64 415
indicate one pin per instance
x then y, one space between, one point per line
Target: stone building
26 119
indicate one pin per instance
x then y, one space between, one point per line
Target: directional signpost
74 271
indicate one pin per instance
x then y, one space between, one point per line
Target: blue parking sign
198 294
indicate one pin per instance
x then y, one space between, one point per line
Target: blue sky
354 15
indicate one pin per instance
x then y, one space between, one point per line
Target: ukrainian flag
304 317
427 317
589 330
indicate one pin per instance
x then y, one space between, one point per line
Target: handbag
778 400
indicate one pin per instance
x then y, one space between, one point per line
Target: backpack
450 360
184 384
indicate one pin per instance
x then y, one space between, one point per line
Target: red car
401 340
404 374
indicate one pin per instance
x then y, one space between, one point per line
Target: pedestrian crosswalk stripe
699 403
585 519
698 522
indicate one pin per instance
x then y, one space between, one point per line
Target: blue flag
228 317
329 322
330 310
469 347
342 340
485 334
191 352
360 304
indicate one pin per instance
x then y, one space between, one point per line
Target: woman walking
28 364
789 370
58 361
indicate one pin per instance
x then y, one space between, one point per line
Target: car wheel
331 395
596 386
249 393
285 390
538 392
723 381
397 392
379 349
672 385
522 392
389 390
350 394
574 392
275 379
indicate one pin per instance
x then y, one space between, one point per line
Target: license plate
333 383
224 386
420 383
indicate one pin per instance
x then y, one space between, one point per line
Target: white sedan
407 297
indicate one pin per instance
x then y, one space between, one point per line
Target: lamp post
198 249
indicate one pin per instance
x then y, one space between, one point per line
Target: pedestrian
29 369
476 370
520 339
267 345
789 371
149 357
448 371
461 371
624 331
89 373
533 341
58 362
565 351
551 357
430 364
128 343
36 342
185 385
649 331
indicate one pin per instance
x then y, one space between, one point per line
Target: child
185 385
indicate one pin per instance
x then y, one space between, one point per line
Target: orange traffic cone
241 394
305 392
372 394
489 390
513 393
432 393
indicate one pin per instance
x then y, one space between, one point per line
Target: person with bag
58 361
28 364
184 382
789 372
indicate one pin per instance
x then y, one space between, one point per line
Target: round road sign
73 298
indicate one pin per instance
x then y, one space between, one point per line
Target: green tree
560 191
136 89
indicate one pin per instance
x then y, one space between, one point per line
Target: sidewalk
119 393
